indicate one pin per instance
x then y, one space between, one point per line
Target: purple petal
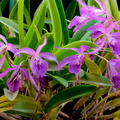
111 26
48 56
66 61
83 48
38 67
98 27
115 63
95 34
14 85
28 51
76 20
74 66
115 35
116 80
15 73
115 46
2 61
3 38
24 73
41 46
11 48
99 47
33 83
2 44
3 74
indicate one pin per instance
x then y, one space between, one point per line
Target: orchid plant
60 57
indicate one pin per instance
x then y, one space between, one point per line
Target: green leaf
56 23
38 21
92 66
95 79
26 107
68 94
65 35
82 32
60 80
62 53
9 23
70 11
53 113
5 109
10 95
90 79
20 22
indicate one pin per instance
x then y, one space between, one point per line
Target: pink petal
48 56
74 66
4 39
3 74
28 51
41 46
66 60
38 67
33 82
11 48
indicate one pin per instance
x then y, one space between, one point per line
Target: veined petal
41 46
115 35
115 46
2 61
14 85
66 61
15 73
74 66
4 39
28 51
48 56
39 67
115 63
3 74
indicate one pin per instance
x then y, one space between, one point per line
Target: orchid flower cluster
103 36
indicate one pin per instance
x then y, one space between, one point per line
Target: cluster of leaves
45 65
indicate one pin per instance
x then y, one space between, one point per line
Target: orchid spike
37 64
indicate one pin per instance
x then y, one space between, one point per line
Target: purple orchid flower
39 83
37 64
88 13
113 73
111 39
18 76
4 47
75 61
